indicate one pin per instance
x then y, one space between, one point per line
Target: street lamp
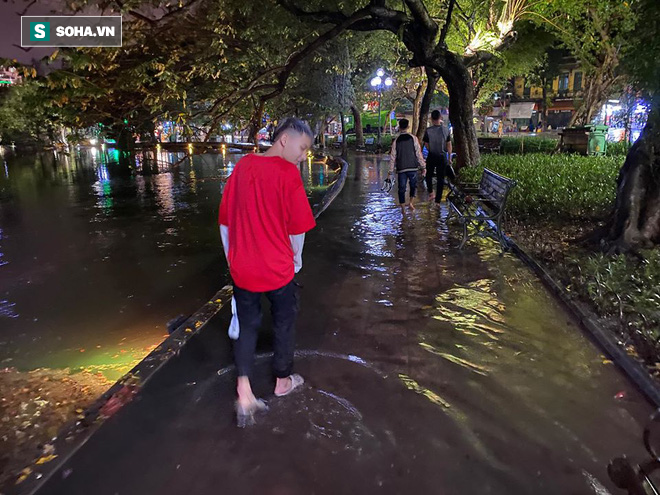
378 83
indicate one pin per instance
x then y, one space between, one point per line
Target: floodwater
429 371
96 258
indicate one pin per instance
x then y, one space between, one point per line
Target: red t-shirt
264 202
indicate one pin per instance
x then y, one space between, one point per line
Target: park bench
338 142
482 206
489 144
370 144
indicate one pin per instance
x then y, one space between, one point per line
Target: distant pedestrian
263 217
406 158
438 142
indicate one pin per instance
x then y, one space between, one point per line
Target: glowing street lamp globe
388 82
375 82
380 72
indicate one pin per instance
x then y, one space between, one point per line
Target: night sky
10 27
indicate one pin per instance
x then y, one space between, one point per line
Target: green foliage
523 145
626 288
588 28
26 113
520 59
555 187
620 148
641 53
385 139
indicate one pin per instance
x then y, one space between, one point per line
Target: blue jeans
284 309
404 177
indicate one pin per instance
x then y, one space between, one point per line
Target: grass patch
624 288
619 148
524 145
555 186
531 144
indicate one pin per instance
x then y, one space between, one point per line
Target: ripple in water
7 309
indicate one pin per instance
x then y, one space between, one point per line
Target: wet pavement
429 371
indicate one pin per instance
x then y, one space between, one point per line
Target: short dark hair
403 124
292 124
435 114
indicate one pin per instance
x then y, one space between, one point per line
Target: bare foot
245 396
403 209
283 385
411 206
431 197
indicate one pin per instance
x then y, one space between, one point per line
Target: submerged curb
607 342
73 436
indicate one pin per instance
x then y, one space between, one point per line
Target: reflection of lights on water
93 141
102 173
6 170
7 309
164 195
417 388
103 189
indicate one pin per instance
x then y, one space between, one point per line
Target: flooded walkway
430 371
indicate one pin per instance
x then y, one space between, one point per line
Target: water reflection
100 248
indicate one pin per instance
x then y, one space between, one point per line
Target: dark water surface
96 257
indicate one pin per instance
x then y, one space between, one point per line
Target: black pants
284 309
403 178
436 166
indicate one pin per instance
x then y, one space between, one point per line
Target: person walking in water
438 142
406 158
264 215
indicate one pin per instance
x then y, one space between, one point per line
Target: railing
335 187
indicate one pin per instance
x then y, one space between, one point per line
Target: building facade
563 94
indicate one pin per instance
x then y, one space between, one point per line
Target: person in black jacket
406 158
438 141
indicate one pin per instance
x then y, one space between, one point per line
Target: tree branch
483 56
445 28
283 72
421 14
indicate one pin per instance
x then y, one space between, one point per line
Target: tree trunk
322 128
636 220
344 144
124 138
255 122
544 106
459 83
417 104
359 135
425 106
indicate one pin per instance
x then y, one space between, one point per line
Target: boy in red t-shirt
264 214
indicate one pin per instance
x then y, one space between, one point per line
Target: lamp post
379 83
